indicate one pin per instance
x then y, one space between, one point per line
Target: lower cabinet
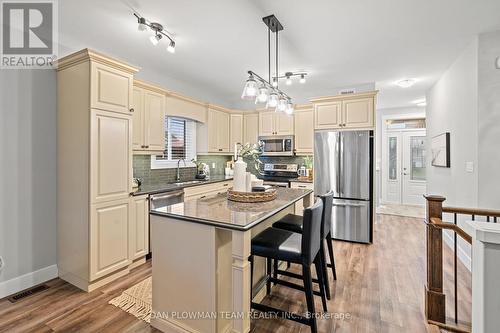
109 237
299 205
200 191
139 227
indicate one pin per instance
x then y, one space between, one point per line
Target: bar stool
303 249
292 222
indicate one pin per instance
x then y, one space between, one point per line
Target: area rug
136 300
402 210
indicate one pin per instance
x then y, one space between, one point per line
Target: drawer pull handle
132 110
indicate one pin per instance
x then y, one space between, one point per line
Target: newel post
434 296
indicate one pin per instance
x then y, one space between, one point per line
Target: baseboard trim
461 254
27 280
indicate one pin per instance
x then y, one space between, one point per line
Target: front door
404 167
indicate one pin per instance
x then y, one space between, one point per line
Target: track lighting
302 78
159 32
288 81
275 82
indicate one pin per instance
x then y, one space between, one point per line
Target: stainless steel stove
279 174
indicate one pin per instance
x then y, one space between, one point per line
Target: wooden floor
379 289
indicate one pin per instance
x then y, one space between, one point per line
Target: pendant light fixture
269 91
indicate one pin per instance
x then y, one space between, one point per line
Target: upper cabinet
214 135
304 131
275 123
251 128
345 111
111 88
148 119
235 130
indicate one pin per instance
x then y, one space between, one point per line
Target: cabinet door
358 113
327 115
222 131
304 132
236 130
111 89
266 123
250 128
139 227
138 119
154 106
299 205
212 130
109 237
283 124
110 155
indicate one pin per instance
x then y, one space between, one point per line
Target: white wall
381 113
488 121
28 176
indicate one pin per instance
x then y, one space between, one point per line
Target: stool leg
306 275
318 263
324 269
275 269
250 259
330 252
268 283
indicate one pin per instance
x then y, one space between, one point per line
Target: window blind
180 139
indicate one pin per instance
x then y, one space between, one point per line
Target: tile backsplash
143 171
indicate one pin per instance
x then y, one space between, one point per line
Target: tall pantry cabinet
95 211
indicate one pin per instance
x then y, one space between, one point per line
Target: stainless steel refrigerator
343 162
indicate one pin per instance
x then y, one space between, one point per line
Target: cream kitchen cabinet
139 227
235 130
206 189
304 131
299 205
94 177
109 237
110 155
250 128
345 111
275 123
218 133
111 88
148 119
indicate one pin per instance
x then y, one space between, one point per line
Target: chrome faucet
178 178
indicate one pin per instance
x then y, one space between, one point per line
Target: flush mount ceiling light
158 32
406 83
420 102
267 91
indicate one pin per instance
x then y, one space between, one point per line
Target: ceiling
341 44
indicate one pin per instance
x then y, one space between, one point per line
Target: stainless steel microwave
278 145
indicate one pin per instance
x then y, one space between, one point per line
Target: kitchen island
201 272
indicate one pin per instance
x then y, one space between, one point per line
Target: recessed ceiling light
406 83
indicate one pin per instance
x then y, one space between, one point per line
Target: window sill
155 165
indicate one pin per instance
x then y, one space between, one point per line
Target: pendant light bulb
250 90
141 24
171 47
155 39
275 82
302 78
272 101
281 104
262 96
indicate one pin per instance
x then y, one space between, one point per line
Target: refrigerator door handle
341 163
348 205
337 169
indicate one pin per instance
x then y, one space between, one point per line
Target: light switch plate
469 166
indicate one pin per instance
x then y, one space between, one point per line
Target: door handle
132 110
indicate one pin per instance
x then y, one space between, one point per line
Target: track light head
141 24
302 78
171 47
155 39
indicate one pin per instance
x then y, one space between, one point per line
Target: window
417 146
180 143
393 158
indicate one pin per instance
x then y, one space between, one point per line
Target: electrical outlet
213 165
469 166
1 263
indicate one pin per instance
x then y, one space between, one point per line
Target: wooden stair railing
435 305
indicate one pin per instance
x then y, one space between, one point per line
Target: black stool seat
278 244
290 222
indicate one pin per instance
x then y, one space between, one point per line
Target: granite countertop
154 188
216 210
298 180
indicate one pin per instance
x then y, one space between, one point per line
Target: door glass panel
417 147
393 158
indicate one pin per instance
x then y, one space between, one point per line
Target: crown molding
94 56
344 97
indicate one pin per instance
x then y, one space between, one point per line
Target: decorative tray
250 197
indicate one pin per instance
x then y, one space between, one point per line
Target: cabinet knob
132 110
146 146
